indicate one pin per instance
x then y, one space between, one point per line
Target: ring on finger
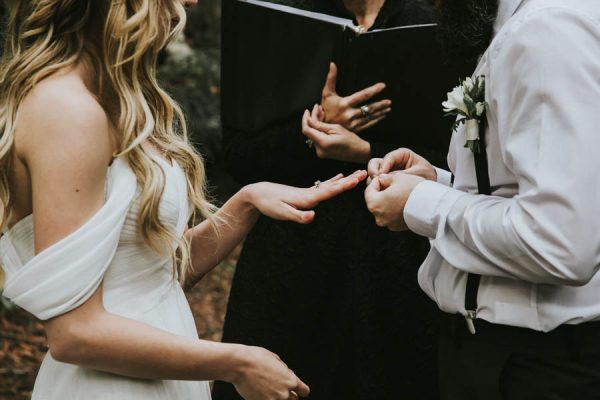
309 143
317 184
366 111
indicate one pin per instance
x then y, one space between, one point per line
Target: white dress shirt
536 240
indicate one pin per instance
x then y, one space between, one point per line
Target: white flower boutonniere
467 102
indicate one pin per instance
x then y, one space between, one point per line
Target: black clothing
502 362
279 153
338 299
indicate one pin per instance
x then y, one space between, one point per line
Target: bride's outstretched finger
335 186
335 178
289 203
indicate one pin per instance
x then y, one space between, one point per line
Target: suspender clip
470 318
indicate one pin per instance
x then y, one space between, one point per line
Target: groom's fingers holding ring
275 355
371 193
374 167
397 159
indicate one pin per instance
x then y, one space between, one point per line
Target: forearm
209 246
129 348
91 337
507 237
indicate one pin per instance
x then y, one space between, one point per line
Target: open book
275 60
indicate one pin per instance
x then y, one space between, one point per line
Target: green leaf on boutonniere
458 123
474 146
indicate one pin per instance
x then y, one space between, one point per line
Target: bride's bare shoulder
61 113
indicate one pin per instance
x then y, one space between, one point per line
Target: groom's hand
386 198
404 160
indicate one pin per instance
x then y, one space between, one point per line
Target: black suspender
481 162
484 187
483 184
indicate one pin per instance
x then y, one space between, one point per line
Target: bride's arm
63 138
91 337
240 213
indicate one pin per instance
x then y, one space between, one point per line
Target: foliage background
191 73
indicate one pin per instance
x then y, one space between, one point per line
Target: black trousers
502 362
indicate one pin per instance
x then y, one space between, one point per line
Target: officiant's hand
346 111
333 141
289 203
404 160
386 198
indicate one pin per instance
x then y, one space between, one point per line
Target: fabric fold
65 275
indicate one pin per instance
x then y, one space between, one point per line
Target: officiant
336 299
515 226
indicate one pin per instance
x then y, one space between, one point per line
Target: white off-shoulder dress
137 284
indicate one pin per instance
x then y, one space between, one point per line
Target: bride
97 184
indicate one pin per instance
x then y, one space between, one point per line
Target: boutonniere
467 103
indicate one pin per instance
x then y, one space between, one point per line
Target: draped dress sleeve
65 275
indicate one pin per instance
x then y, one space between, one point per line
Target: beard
466 27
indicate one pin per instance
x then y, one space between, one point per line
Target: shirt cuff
425 204
443 177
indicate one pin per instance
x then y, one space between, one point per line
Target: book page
309 14
401 27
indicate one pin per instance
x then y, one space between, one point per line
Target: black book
275 60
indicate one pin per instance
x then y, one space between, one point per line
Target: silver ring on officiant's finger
366 111
310 143
317 184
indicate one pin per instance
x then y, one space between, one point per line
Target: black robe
338 300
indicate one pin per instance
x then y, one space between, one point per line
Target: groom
516 228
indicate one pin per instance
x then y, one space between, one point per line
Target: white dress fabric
137 284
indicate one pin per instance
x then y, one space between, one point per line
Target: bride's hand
288 203
263 376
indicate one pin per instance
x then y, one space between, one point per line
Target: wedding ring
309 143
366 111
317 184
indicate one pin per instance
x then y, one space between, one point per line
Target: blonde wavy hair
120 40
